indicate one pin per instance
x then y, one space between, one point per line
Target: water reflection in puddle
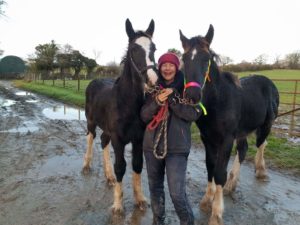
60 165
32 101
64 113
6 102
23 93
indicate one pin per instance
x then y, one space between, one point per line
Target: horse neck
130 87
213 83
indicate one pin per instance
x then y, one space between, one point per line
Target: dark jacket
179 121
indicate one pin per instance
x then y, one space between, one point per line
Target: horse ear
184 41
129 30
210 34
150 29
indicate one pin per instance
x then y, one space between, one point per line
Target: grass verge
69 96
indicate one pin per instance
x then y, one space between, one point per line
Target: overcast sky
244 29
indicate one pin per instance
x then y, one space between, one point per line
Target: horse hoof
117 210
206 206
142 205
215 220
86 170
227 191
229 188
261 175
111 181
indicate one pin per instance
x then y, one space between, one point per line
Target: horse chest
131 130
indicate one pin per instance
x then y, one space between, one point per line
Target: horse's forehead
199 49
194 53
144 42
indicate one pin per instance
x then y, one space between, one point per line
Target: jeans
174 165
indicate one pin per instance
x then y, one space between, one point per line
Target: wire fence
288 120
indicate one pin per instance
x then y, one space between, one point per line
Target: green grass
279 152
67 95
283 86
275 74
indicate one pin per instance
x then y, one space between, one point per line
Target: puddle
295 140
24 128
64 113
6 102
32 101
23 93
60 165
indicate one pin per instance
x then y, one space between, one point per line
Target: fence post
78 88
295 96
292 126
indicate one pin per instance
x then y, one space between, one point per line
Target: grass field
283 86
280 152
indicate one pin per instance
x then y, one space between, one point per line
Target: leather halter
196 84
140 72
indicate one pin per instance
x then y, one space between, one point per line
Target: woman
168 156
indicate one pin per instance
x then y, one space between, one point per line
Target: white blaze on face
194 52
145 43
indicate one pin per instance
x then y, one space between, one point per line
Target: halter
140 72
198 85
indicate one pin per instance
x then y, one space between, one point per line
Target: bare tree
1 14
293 60
2 3
97 54
67 49
277 62
261 59
175 51
225 60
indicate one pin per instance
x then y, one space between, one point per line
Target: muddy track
41 182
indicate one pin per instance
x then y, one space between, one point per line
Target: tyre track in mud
41 180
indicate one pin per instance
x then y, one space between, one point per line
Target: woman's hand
164 94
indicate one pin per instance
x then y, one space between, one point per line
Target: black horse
235 108
115 106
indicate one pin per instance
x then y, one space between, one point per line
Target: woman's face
168 71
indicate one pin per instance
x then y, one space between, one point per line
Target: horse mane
215 60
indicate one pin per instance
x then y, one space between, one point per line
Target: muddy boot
158 221
158 209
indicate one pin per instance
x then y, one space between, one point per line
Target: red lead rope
160 116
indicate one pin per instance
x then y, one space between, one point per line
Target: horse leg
119 168
232 179
220 177
206 202
261 135
137 166
107 165
89 152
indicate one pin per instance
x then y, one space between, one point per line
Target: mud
42 143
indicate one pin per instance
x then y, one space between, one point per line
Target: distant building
11 67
